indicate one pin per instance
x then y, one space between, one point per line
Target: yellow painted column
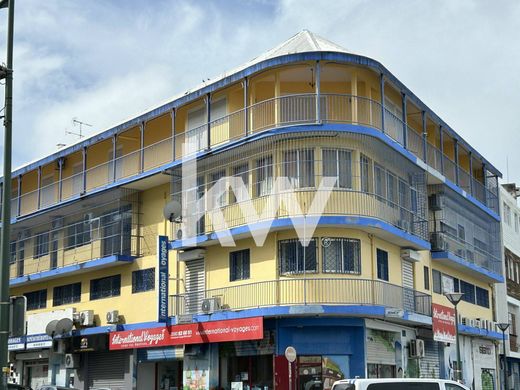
276 98
354 93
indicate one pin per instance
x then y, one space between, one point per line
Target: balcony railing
513 343
265 115
305 291
466 251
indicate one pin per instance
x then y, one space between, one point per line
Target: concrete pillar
318 92
382 88
405 120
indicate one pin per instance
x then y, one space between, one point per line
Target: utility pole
7 73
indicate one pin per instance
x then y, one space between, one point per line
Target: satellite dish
172 211
50 329
64 326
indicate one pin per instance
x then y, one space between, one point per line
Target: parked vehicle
397 384
53 387
14 386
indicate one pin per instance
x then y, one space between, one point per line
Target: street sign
290 354
17 310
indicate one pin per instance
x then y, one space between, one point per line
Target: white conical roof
304 41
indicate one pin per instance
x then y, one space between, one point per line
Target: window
78 234
461 232
291 253
105 287
452 386
36 299
469 291
239 265
241 171
507 214
365 170
218 189
264 176
382 264
426 278
12 251
391 192
143 280
437 285
482 297
63 295
341 255
41 245
298 167
379 181
404 195
337 163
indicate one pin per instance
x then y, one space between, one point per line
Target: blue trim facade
456 260
91 265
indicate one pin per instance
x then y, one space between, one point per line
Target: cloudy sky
104 61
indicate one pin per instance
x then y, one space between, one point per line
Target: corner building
413 215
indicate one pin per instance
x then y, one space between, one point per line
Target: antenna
77 122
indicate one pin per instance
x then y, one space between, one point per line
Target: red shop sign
443 323
195 333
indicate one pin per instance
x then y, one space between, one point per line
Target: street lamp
6 72
503 327
454 299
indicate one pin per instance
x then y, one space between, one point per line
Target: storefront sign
443 323
16 343
36 341
195 333
162 257
144 338
90 343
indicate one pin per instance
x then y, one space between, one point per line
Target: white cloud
105 61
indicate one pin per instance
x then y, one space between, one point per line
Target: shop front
159 368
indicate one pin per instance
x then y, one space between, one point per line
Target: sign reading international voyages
443 323
162 257
194 333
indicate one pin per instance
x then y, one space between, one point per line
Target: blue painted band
88 265
474 267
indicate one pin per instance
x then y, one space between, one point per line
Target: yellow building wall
129 145
29 193
99 172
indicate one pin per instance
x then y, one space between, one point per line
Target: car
397 384
15 386
54 387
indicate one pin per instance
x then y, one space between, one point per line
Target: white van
397 384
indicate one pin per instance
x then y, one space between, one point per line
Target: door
54 249
37 374
408 291
195 285
47 192
107 370
197 134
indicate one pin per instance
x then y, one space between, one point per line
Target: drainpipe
382 87
318 92
405 121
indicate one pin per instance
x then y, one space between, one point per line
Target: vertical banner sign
162 257
443 323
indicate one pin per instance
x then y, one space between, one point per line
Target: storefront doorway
36 373
320 372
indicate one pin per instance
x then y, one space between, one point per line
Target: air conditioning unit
438 242
71 360
416 349
178 234
192 254
211 305
410 255
435 202
113 316
86 318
